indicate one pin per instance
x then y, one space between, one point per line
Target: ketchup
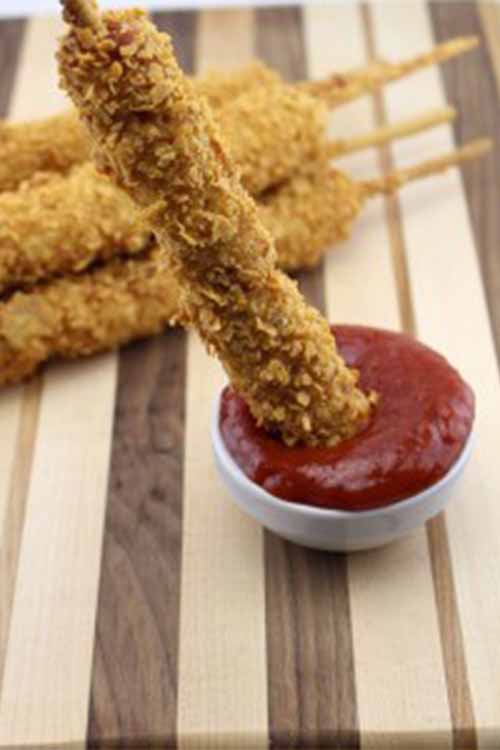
417 431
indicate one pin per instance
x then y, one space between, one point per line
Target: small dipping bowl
325 528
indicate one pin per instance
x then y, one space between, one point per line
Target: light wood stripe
490 18
47 668
462 715
222 658
312 700
394 622
451 316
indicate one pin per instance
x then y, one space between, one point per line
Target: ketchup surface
417 431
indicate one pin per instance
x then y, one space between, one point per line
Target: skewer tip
81 13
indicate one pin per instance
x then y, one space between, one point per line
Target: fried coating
53 144
82 315
56 225
160 141
56 144
33 330
272 132
59 143
62 223
220 87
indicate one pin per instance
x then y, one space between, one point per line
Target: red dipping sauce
417 431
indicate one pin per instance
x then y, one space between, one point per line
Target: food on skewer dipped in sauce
159 139
153 131
128 299
58 143
60 224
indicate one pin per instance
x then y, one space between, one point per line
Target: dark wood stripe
470 87
312 696
135 670
134 681
182 27
455 668
11 34
279 40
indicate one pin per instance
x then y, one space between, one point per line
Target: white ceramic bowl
334 530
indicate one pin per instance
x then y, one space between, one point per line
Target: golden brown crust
160 141
309 214
81 315
272 132
57 224
56 144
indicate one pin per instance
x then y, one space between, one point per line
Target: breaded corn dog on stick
315 211
80 315
341 88
56 224
154 133
56 144
60 142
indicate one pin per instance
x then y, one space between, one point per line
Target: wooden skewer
389 133
341 88
83 13
392 182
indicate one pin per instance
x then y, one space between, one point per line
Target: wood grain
222 658
393 655
11 33
489 12
208 632
470 86
307 602
16 436
451 322
61 537
134 682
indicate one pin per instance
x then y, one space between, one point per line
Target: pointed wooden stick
392 182
341 88
82 13
388 133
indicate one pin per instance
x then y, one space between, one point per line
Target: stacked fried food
80 270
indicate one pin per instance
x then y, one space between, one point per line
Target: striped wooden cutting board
137 604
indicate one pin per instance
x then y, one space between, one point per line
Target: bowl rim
314 511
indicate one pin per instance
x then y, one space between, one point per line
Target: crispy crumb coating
53 144
56 144
56 224
305 214
220 87
59 224
310 213
81 315
160 141
273 131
